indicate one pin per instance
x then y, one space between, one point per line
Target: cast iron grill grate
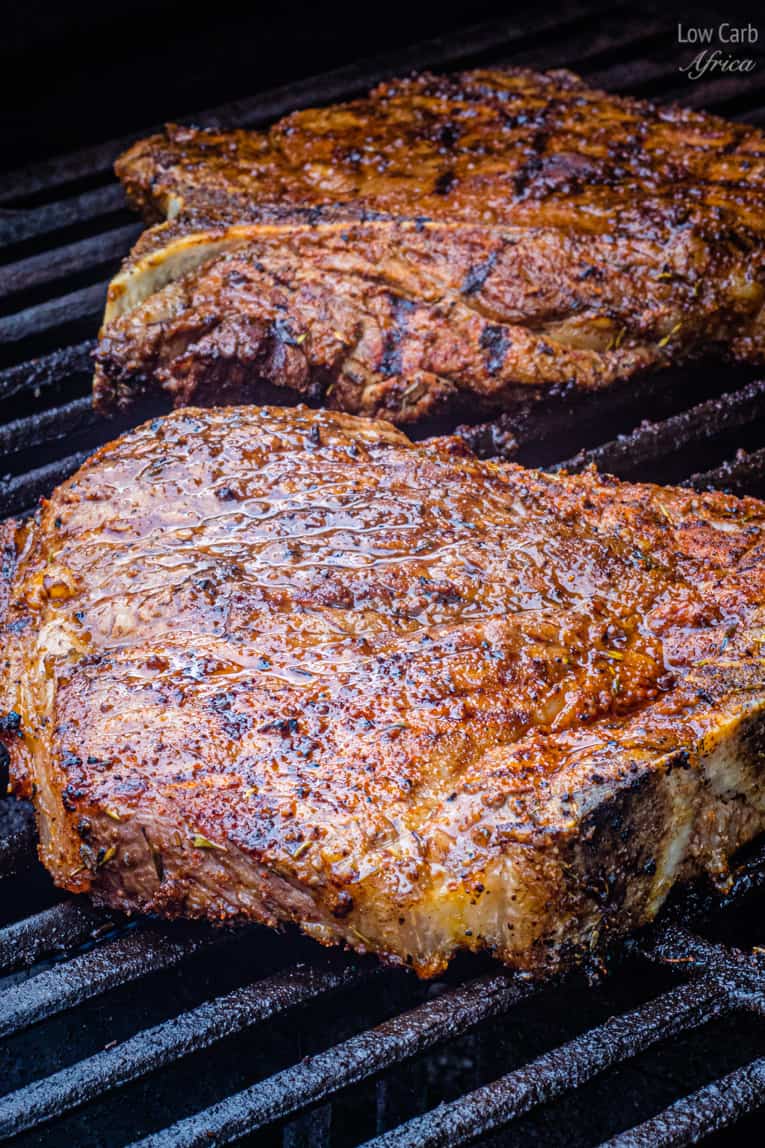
116 1033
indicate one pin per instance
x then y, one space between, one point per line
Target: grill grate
354 1053
154 1049
566 1067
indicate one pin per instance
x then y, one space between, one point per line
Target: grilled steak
285 665
448 241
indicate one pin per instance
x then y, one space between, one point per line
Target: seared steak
474 238
278 665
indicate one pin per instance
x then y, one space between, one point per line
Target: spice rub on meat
470 240
282 665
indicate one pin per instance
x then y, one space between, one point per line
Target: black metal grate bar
657 78
84 303
717 93
653 440
738 476
41 429
710 1109
105 967
45 373
87 207
355 1059
20 493
615 33
54 930
743 973
635 75
541 421
17 844
569 1066
166 1043
74 258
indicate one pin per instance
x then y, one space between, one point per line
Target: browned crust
638 231
299 668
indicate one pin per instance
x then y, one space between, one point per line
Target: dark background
78 73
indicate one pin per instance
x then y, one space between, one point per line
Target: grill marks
391 361
397 318
495 342
445 183
316 668
434 141
365 346
108 1068
540 205
477 276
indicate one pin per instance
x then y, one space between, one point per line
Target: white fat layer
134 285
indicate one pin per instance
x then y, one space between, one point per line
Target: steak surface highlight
281 665
449 241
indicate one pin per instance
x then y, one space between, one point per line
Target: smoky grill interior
118 1033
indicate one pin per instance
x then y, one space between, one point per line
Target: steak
281 665
450 242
